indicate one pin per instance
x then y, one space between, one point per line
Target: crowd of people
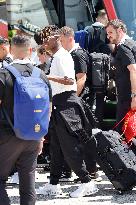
70 128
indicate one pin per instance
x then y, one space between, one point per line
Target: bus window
81 13
37 12
127 14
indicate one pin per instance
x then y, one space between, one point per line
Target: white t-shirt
62 65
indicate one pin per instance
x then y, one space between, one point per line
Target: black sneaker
77 180
66 177
96 176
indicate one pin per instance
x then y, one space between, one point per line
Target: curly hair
41 36
41 50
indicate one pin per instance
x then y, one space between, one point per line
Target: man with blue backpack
25 102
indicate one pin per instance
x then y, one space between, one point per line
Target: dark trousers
23 155
89 156
66 170
95 99
64 142
89 149
122 108
92 99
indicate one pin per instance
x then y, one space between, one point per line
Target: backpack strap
36 72
98 33
8 118
13 70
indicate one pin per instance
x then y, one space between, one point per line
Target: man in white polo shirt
68 121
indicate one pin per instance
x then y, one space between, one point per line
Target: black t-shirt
7 82
124 57
80 61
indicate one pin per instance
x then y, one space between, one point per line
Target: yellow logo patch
37 110
37 128
38 96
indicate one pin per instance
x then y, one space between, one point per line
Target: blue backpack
31 105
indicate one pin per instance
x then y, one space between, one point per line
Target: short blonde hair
67 31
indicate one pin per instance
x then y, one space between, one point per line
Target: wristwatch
133 95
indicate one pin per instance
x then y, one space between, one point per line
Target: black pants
92 99
95 99
122 108
89 156
23 155
64 138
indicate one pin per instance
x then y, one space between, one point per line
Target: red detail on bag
129 126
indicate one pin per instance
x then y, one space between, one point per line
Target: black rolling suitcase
116 160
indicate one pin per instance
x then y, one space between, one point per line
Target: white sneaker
14 179
85 189
49 189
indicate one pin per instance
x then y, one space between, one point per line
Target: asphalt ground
106 195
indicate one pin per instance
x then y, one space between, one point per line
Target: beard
115 39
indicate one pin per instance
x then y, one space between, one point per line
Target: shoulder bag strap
13 70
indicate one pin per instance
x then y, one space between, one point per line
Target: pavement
106 195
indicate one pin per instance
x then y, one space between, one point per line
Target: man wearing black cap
24 27
70 126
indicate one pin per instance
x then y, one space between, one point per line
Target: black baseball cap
27 27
